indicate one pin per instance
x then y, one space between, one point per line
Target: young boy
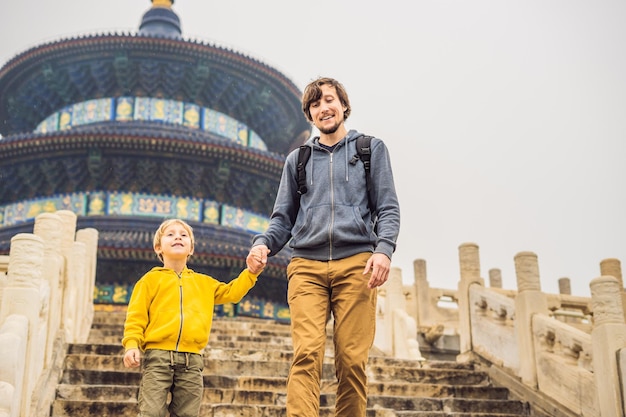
169 319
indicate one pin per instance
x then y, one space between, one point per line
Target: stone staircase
246 366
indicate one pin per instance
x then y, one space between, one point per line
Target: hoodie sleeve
236 289
136 316
386 200
284 213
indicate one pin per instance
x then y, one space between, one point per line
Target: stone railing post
404 327
393 299
565 286
612 267
4 266
529 301
608 338
75 292
24 296
13 347
68 235
495 278
422 293
382 338
395 296
48 227
390 297
89 238
470 274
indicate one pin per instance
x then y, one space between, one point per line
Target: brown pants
315 289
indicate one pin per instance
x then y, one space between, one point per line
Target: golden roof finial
162 3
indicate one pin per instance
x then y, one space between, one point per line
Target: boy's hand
257 258
132 358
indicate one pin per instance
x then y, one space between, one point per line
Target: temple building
129 129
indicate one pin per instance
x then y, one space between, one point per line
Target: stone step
241 352
231 353
275 387
216 340
378 406
219 329
268 362
226 367
266 381
219 324
98 367
261 342
63 408
427 375
109 328
246 368
111 319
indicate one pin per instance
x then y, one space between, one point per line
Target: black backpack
364 152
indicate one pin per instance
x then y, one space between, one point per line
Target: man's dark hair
313 92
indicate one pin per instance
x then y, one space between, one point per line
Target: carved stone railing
564 366
396 333
46 301
566 352
571 350
492 318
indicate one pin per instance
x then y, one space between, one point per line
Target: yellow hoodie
169 312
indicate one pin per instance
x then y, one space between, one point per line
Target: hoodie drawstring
349 160
346 154
311 159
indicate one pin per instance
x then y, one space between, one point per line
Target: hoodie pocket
314 230
349 227
321 227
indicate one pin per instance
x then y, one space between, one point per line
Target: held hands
132 358
257 258
379 264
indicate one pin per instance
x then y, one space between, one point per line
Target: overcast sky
506 120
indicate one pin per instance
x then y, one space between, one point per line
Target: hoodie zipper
180 291
332 210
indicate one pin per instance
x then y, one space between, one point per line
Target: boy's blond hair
161 230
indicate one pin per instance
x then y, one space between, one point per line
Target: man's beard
330 130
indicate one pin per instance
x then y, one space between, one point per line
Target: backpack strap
364 152
303 157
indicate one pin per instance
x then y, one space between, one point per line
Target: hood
314 143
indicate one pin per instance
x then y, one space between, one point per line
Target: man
342 252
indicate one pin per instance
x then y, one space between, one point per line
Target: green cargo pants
166 372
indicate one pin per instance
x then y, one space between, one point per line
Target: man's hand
132 358
379 264
257 258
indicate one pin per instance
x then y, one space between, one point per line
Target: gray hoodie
333 221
